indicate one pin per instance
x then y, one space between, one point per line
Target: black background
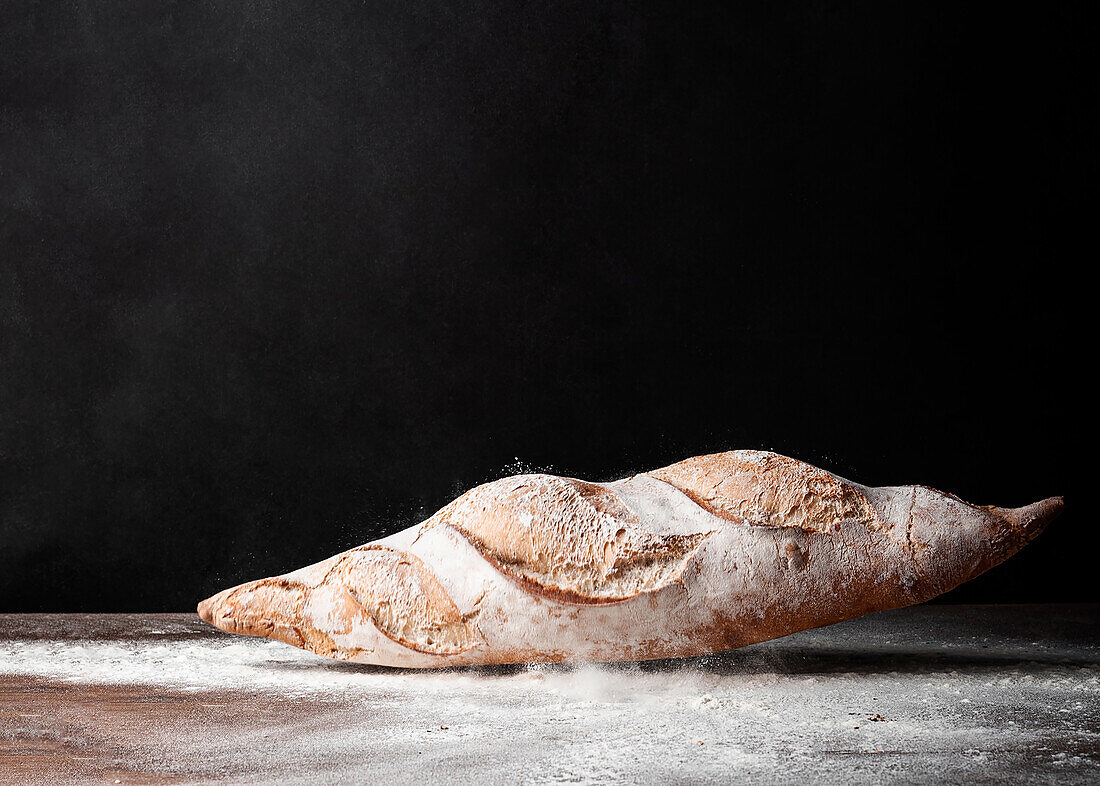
278 279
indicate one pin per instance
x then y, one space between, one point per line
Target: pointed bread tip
1033 519
213 611
206 610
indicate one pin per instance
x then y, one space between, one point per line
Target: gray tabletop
931 694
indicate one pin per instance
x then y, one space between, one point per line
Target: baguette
710 554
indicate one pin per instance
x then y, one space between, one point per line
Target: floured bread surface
768 489
390 591
567 539
404 599
710 553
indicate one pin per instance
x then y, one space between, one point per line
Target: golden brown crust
404 599
768 489
271 608
392 590
567 540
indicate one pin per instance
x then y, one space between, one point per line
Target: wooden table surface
931 694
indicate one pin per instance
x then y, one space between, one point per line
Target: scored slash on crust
391 590
767 489
671 563
567 540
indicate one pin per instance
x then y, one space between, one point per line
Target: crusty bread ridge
712 553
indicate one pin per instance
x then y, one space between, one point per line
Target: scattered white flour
914 696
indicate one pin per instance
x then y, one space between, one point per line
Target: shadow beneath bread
750 662
803 663
853 661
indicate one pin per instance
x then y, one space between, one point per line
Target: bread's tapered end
1032 519
215 611
1010 529
268 608
206 610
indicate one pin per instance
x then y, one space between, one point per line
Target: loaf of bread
713 553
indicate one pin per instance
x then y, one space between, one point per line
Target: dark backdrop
280 278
